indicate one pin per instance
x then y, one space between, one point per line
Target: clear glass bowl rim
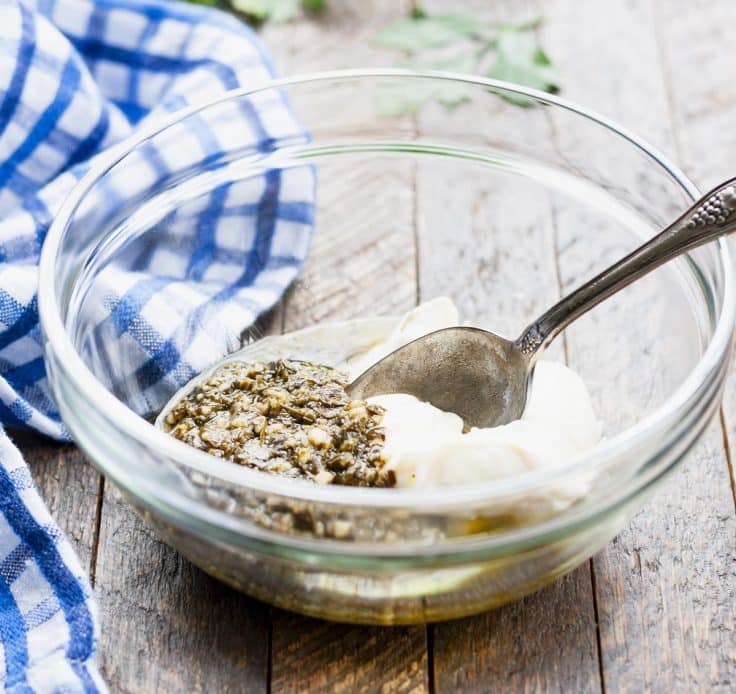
74 368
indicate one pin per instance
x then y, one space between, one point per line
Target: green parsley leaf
393 101
519 59
314 5
406 98
463 61
418 33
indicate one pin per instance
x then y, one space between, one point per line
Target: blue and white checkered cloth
77 76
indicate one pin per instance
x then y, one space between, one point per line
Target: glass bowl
500 202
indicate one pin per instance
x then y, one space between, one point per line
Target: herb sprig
451 42
458 43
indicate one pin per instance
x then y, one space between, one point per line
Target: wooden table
654 611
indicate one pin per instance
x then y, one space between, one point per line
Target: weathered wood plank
364 206
665 616
544 643
665 585
69 486
340 38
311 655
518 647
697 41
364 231
361 263
166 625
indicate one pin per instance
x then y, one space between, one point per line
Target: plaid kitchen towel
77 76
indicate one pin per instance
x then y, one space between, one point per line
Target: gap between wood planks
96 533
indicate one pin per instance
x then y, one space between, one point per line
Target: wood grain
702 93
166 625
696 44
341 38
349 251
662 588
543 643
311 655
359 264
546 642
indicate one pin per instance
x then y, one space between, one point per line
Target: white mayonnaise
426 447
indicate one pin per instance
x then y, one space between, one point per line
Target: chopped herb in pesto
291 418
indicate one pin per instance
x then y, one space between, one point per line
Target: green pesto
287 417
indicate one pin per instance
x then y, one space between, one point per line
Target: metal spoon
485 378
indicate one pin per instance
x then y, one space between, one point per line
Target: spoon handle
710 217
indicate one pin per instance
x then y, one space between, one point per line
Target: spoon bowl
476 374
